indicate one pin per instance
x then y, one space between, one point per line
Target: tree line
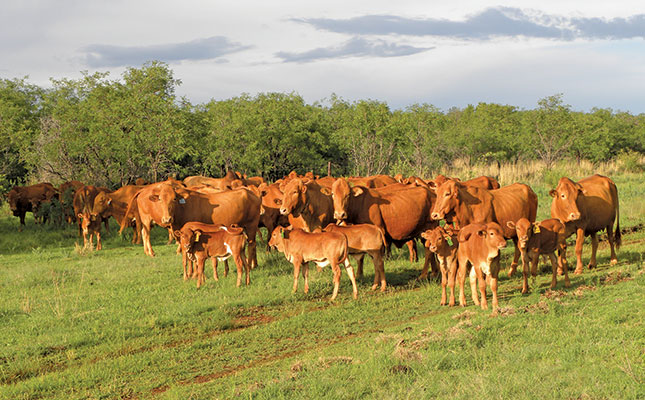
112 131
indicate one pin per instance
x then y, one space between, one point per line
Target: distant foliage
110 132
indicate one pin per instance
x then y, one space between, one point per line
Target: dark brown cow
472 205
402 214
199 242
586 207
479 246
172 208
306 205
443 242
23 199
537 238
323 248
365 239
115 204
88 226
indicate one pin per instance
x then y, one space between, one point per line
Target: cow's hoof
613 261
591 266
374 287
578 271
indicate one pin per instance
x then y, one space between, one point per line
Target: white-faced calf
201 241
541 238
323 248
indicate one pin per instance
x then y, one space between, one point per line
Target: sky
448 54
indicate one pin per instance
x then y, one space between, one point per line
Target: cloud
488 24
101 55
355 47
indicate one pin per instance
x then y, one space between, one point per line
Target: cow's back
511 203
599 203
239 206
406 213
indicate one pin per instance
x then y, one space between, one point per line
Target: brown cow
402 214
443 242
479 246
88 226
323 248
537 238
219 183
173 207
114 204
365 239
484 182
586 207
472 205
200 242
306 205
374 181
270 216
23 199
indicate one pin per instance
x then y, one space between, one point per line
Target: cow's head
14 197
165 200
340 194
101 203
278 237
447 199
524 230
85 220
565 195
294 197
187 238
439 238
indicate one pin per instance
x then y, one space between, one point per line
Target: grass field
118 324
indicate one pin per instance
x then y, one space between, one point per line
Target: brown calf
479 245
323 248
365 239
537 238
443 242
200 242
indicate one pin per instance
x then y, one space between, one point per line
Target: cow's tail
618 240
345 252
129 212
383 239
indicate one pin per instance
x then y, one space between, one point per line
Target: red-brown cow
374 181
270 216
586 207
115 204
472 205
172 208
479 246
323 248
199 242
443 242
23 199
88 226
365 239
537 238
306 205
403 214
219 183
484 182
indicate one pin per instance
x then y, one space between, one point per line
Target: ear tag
182 201
197 236
282 234
448 240
454 224
536 228
442 223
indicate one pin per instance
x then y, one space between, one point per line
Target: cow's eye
563 196
447 194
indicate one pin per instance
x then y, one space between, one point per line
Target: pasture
118 324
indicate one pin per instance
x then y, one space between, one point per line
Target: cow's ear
464 236
482 232
282 186
154 197
304 188
109 201
510 224
263 189
553 193
79 215
325 191
581 189
432 185
277 201
357 191
176 234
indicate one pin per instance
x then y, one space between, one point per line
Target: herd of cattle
462 223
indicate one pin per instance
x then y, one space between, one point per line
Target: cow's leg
494 271
452 272
473 286
99 246
184 263
379 270
526 259
305 275
226 267
580 239
350 273
594 249
359 267
554 270
461 274
412 247
516 257
562 265
482 287
296 273
336 270
444 280
428 260
170 237
145 235
215 276
252 258
200 271
610 238
240 269
247 267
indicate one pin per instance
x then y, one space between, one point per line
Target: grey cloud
356 47
100 55
487 24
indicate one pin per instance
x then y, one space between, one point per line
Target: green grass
119 324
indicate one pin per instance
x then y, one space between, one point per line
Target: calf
365 239
201 241
90 227
541 238
443 242
479 245
323 248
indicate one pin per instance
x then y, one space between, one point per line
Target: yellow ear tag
536 228
197 236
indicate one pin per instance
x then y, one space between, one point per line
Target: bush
631 161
